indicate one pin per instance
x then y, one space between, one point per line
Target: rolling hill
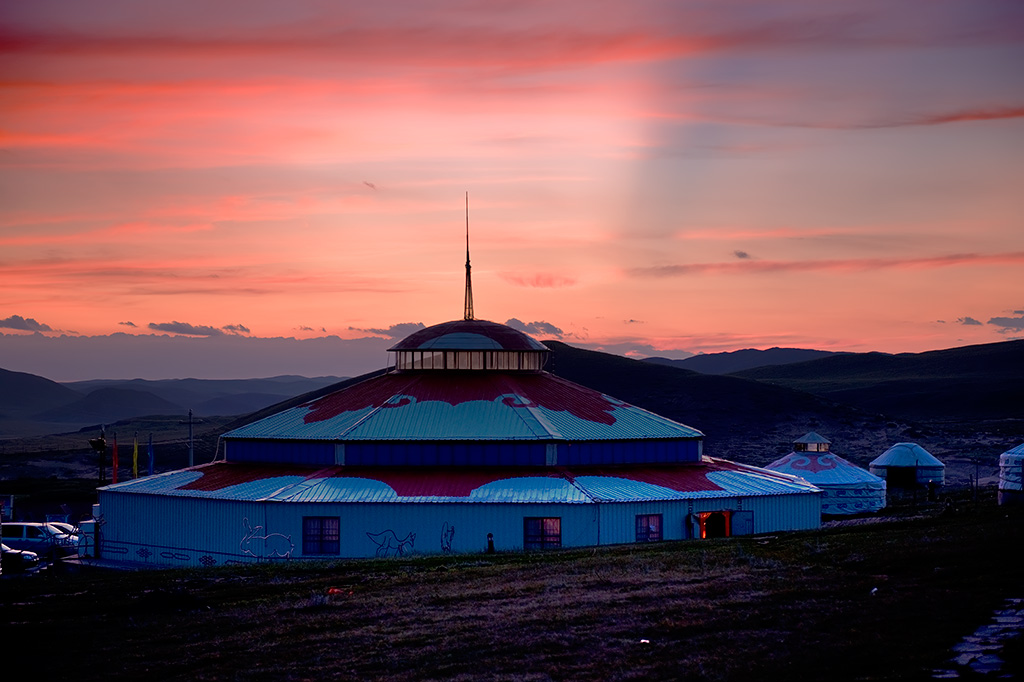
738 360
31 405
983 382
23 394
741 419
108 405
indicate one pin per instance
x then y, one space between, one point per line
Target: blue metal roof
228 480
470 406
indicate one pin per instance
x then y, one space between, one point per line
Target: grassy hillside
883 601
969 383
741 419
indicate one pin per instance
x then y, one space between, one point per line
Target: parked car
65 528
17 560
41 538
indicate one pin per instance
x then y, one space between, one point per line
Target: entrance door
715 526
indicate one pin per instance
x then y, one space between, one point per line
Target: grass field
880 600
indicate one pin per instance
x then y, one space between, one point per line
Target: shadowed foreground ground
791 606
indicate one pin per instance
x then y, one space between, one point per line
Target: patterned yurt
1010 491
465 444
848 489
908 465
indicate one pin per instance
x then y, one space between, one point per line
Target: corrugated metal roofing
906 455
229 480
1010 469
1014 452
825 469
481 406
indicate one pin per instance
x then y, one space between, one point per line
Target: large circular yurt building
908 466
465 444
1010 478
847 488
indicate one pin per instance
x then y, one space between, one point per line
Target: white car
62 527
42 538
17 560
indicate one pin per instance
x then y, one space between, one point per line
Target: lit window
648 528
541 533
321 535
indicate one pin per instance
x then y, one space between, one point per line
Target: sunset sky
643 177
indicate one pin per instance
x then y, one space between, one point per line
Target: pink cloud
539 280
851 264
970 115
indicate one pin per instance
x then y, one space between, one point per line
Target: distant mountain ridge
33 405
22 394
206 396
738 360
863 402
109 404
984 381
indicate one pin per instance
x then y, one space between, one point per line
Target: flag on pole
135 457
151 454
114 457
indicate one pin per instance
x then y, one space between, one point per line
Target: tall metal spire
468 313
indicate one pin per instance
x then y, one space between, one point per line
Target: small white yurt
908 465
1010 490
847 488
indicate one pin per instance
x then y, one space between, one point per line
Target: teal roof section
489 407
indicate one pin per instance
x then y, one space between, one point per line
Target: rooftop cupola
811 442
469 343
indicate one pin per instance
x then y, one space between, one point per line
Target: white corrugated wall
175 530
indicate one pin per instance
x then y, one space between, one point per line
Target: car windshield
56 531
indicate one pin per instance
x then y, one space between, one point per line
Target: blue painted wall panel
454 453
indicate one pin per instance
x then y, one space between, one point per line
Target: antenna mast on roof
468 314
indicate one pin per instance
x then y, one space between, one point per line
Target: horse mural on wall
389 544
267 545
447 533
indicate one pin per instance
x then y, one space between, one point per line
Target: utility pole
191 449
99 445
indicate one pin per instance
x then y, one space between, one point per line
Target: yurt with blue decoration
908 466
1010 489
464 445
847 488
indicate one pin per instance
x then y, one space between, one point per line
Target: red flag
115 458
